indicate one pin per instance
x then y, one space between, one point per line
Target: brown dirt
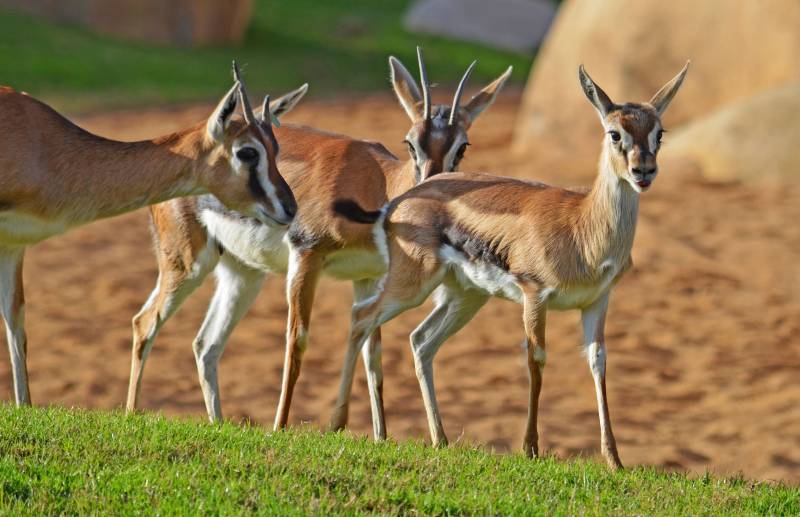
703 348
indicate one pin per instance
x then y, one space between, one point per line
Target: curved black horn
426 89
459 92
249 117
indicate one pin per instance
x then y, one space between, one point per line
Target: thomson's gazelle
472 236
194 236
55 176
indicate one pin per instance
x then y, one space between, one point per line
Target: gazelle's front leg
593 319
237 288
301 282
173 287
12 308
371 355
534 316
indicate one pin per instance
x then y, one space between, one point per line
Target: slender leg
173 287
455 307
301 282
371 355
533 317
237 288
396 297
12 308
593 319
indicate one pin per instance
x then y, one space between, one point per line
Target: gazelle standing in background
55 176
475 236
195 236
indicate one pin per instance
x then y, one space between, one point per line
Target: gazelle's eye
411 150
247 154
615 136
659 135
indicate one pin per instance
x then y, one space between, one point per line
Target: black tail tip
352 211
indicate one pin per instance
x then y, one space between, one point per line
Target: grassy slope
336 46
58 460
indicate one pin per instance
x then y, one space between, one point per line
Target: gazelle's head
249 149
633 130
438 139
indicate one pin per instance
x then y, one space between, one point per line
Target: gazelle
195 236
473 236
55 176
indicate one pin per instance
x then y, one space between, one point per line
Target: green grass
55 461
336 46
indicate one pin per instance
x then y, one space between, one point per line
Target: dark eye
247 154
615 136
411 149
659 135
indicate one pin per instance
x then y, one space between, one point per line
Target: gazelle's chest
257 245
578 296
19 229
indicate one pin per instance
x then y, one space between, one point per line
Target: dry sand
704 353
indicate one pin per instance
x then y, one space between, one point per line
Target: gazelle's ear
486 97
661 100
282 105
406 89
595 94
219 120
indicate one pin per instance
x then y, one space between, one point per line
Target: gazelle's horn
459 92
249 117
426 88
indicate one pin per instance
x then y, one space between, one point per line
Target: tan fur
322 167
541 246
55 176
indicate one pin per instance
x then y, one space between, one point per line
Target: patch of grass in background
337 47
55 461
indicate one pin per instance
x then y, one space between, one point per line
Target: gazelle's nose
643 172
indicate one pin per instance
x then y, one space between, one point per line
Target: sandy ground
704 353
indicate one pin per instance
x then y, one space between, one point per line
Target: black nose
641 171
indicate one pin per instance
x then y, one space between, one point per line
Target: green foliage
55 461
335 46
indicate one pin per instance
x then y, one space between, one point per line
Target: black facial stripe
255 185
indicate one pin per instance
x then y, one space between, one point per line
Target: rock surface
738 48
517 25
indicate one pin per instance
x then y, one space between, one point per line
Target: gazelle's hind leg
12 309
237 288
398 293
371 356
455 307
176 281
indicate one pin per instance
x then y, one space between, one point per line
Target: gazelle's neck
136 174
607 223
400 177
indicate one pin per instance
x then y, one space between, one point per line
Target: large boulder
756 137
738 48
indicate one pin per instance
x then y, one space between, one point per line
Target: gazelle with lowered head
195 236
474 236
55 176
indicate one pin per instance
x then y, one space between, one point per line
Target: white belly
480 275
19 229
265 248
